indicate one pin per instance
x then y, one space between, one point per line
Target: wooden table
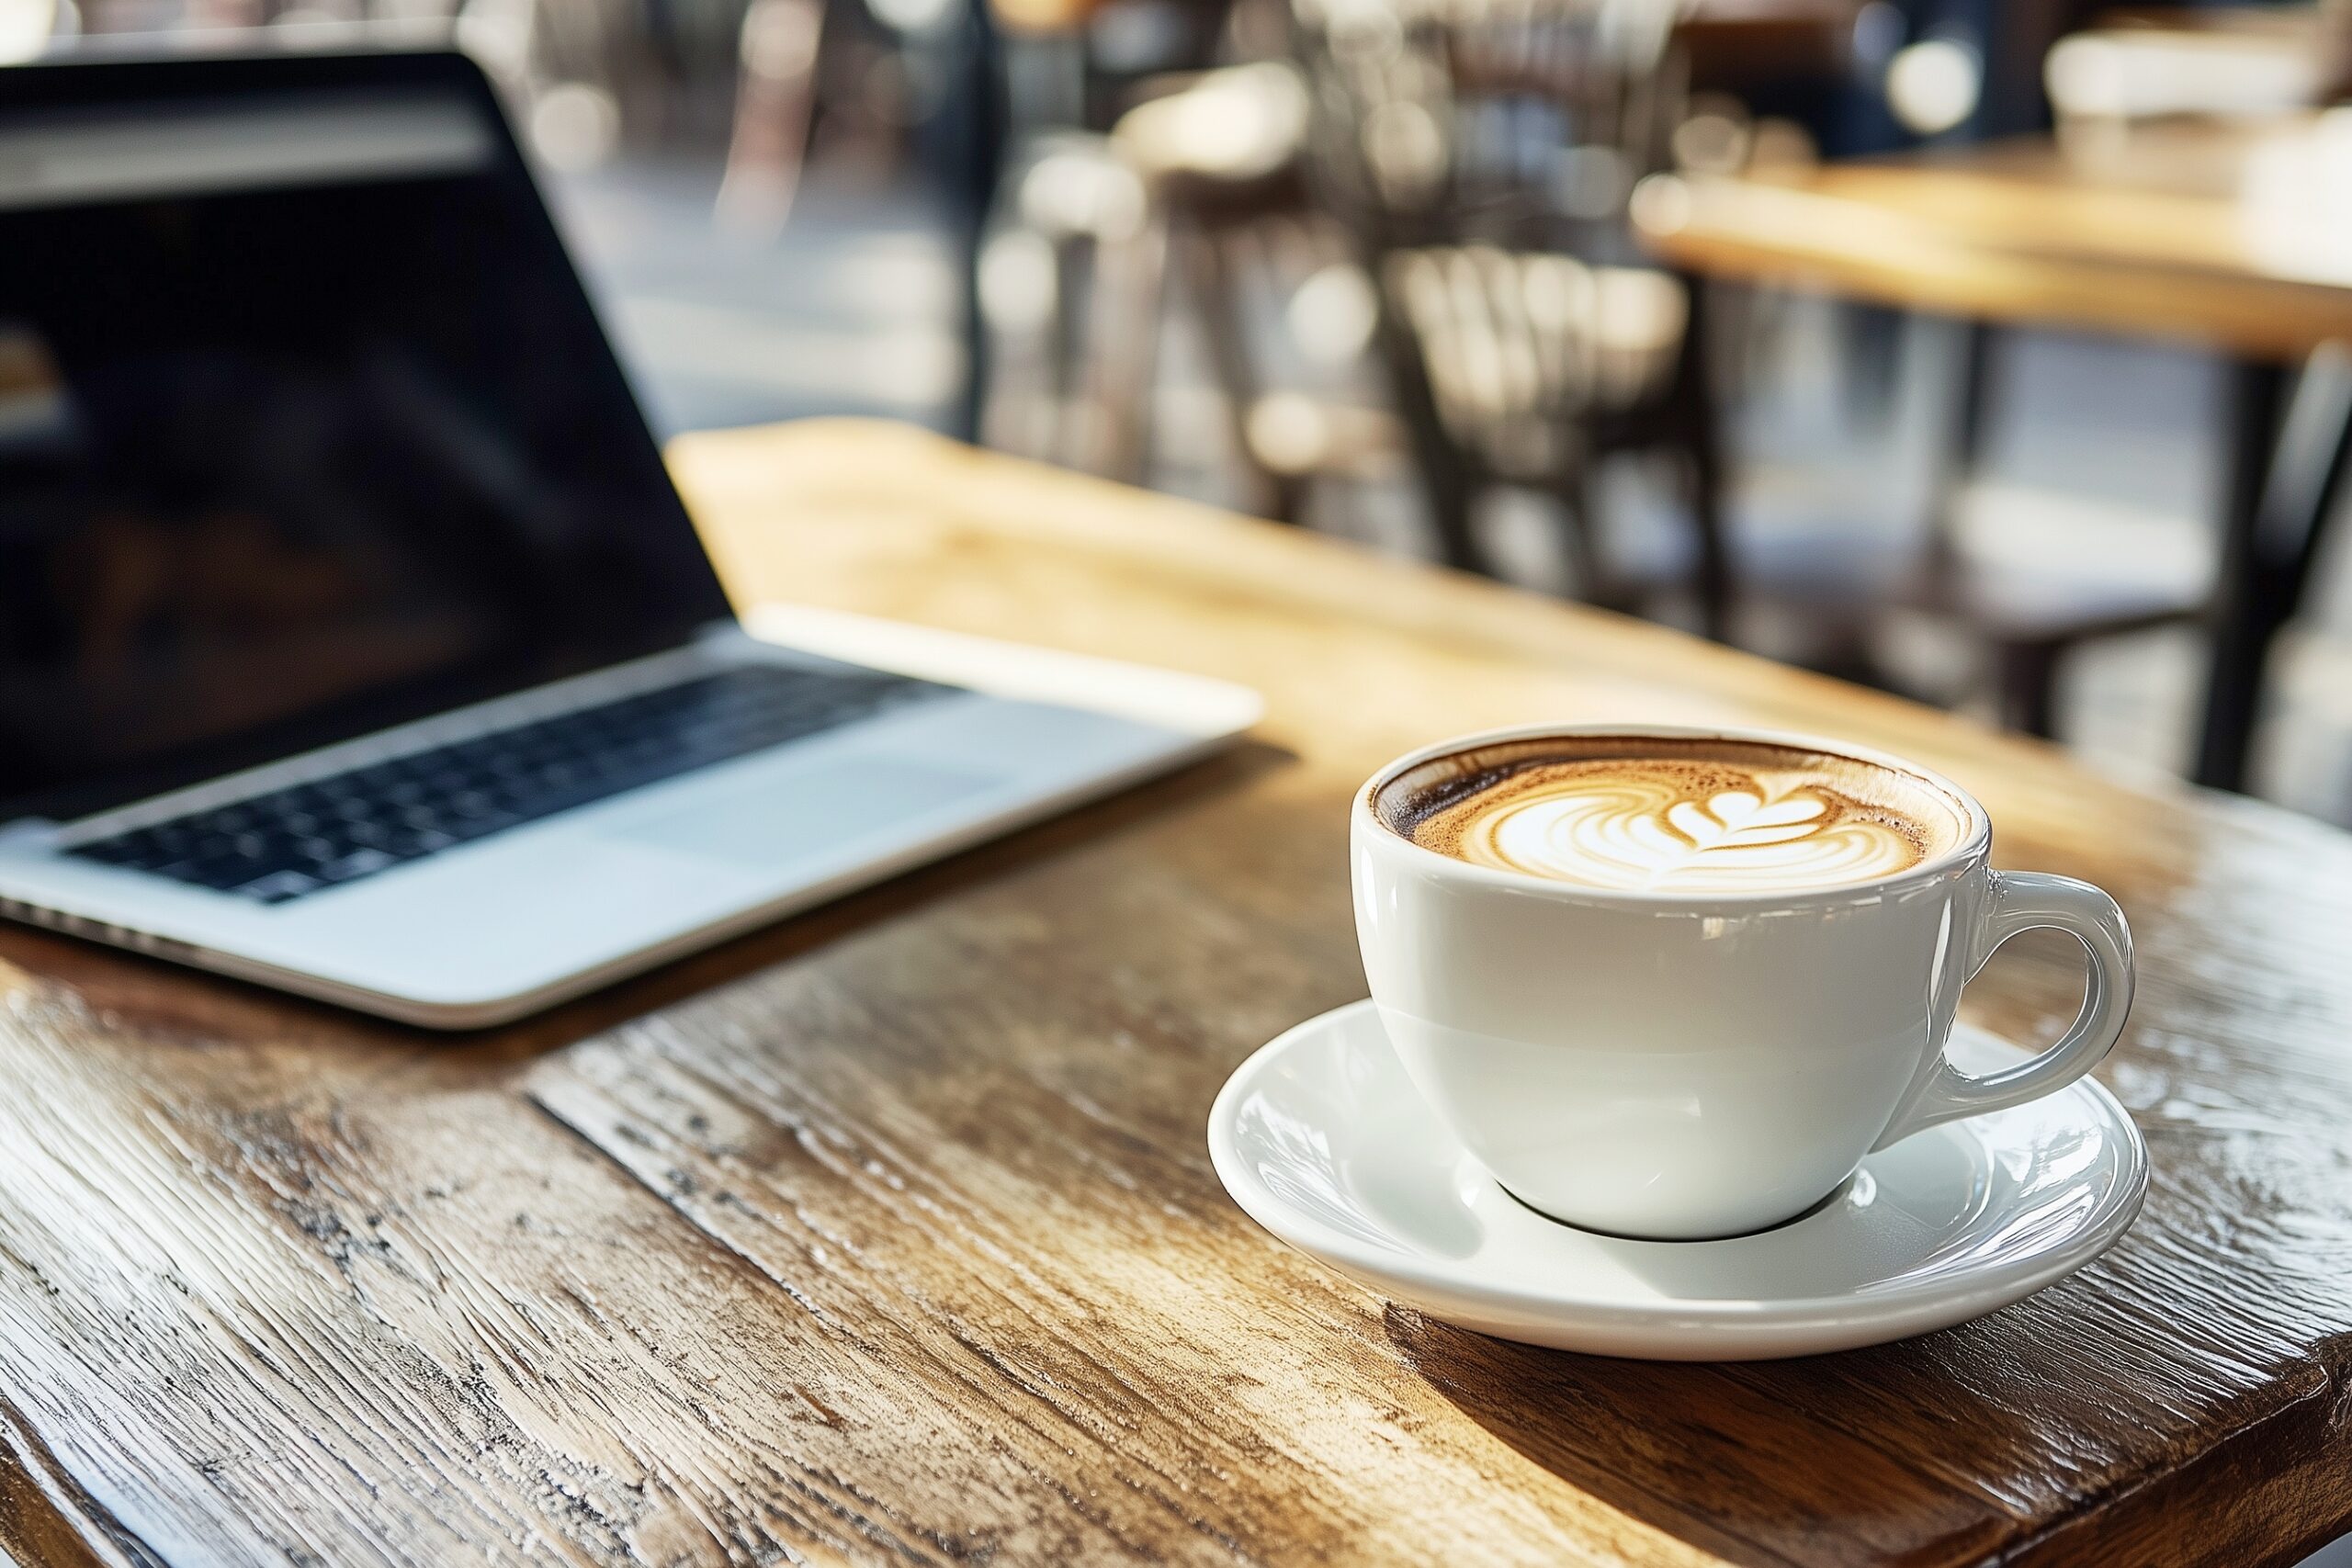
2233 237
888 1235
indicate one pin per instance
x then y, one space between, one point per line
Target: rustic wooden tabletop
888 1234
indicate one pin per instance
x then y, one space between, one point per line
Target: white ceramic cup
1686 1065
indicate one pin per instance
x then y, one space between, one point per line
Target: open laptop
352 637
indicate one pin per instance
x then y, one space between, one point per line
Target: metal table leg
1964 451
2283 487
1703 434
978 121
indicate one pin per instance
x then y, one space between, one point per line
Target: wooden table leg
2283 484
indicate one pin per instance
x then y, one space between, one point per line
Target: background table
889 1235
2232 236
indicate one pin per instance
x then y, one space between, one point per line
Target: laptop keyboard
280 846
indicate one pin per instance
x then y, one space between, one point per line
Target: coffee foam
1672 815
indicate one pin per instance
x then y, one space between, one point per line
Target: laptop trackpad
809 812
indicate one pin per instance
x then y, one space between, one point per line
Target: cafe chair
1537 364
1479 155
1109 226
1219 157
1067 200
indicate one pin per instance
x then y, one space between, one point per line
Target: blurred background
1977 349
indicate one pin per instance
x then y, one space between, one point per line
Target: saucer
1321 1139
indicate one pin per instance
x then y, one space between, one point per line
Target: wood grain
888 1234
2228 235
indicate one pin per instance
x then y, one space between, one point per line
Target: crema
1653 813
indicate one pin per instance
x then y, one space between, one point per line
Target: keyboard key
277 888
354 866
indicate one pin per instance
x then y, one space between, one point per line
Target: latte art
1722 820
1642 833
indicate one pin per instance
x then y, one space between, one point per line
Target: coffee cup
1676 984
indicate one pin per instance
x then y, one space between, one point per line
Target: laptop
353 639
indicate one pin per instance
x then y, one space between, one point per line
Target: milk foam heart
1697 817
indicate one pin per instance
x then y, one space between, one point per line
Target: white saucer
1322 1139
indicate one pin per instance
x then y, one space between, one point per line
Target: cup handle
2024 901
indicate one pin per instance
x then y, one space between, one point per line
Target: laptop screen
306 429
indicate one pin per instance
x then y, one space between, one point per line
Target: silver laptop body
351 638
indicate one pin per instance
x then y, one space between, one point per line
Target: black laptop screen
306 428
